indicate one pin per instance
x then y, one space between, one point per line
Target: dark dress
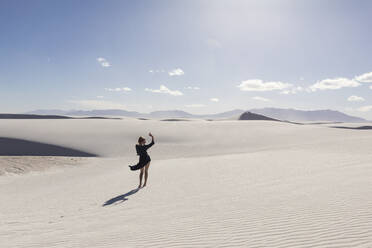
144 158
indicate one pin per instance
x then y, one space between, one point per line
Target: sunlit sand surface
211 184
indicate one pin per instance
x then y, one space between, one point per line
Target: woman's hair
141 139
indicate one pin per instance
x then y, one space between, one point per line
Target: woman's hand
152 138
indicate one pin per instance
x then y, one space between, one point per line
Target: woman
144 159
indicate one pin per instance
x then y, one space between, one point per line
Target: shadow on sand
20 147
120 198
355 128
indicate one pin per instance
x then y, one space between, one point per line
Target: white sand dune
211 184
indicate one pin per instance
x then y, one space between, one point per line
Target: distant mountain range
35 116
156 114
307 115
275 113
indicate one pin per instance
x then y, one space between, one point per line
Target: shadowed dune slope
355 128
249 116
20 147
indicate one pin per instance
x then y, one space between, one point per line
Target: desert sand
211 184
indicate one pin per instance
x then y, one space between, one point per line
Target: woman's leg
146 173
140 177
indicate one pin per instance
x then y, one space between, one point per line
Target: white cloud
103 62
100 96
156 71
98 104
355 99
258 98
365 78
285 92
259 85
163 89
214 99
195 105
118 89
365 108
293 90
370 87
333 84
176 72
192 88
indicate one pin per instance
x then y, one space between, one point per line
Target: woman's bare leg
146 173
140 178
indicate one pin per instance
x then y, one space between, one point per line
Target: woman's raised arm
152 141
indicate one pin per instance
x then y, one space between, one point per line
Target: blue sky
198 56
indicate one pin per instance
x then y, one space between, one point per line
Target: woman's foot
144 185
139 186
